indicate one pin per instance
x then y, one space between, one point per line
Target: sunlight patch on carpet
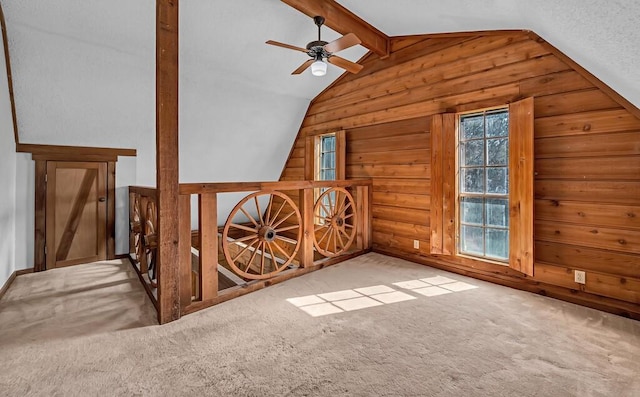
377 295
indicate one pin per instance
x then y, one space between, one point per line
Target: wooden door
76 213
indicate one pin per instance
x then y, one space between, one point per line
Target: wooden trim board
73 153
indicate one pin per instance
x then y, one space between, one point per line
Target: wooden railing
276 231
143 243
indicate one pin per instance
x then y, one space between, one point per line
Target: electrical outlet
580 276
416 244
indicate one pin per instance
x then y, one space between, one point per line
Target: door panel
76 212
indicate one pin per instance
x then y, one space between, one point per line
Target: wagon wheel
151 244
254 236
136 228
334 228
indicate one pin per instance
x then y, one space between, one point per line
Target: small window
327 158
326 171
483 185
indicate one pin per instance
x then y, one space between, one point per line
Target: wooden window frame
444 179
312 158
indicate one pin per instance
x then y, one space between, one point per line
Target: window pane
497 151
498 243
330 175
471 210
472 240
472 126
328 143
497 211
329 160
473 152
497 180
472 180
498 124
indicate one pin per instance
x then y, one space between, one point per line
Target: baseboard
610 305
12 277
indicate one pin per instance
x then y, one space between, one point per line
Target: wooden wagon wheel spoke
284 219
267 213
150 243
243 227
255 239
257 258
248 215
338 220
283 252
243 239
286 228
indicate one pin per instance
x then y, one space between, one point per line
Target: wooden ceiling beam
344 21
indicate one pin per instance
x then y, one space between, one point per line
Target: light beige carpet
370 326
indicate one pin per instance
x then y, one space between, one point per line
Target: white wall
7 179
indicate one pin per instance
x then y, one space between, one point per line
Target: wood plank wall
587 150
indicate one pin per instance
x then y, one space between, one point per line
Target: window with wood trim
477 193
325 157
483 185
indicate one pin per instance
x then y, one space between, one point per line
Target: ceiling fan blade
303 67
344 64
346 41
289 46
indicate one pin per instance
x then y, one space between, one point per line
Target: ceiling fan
320 51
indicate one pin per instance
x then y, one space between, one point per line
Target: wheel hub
337 221
267 233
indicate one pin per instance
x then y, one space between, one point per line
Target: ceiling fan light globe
319 68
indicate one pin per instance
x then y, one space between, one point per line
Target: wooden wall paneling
621 240
612 192
39 259
592 145
573 102
409 61
588 259
480 98
437 182
208 226
625 168
581 213
167 178
595 122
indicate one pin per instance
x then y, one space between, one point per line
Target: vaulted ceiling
84 70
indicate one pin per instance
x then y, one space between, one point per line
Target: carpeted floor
372 326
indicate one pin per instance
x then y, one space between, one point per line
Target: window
483 186
482 194
326 158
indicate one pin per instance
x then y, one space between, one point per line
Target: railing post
306 251
363 210
208 221
184 246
